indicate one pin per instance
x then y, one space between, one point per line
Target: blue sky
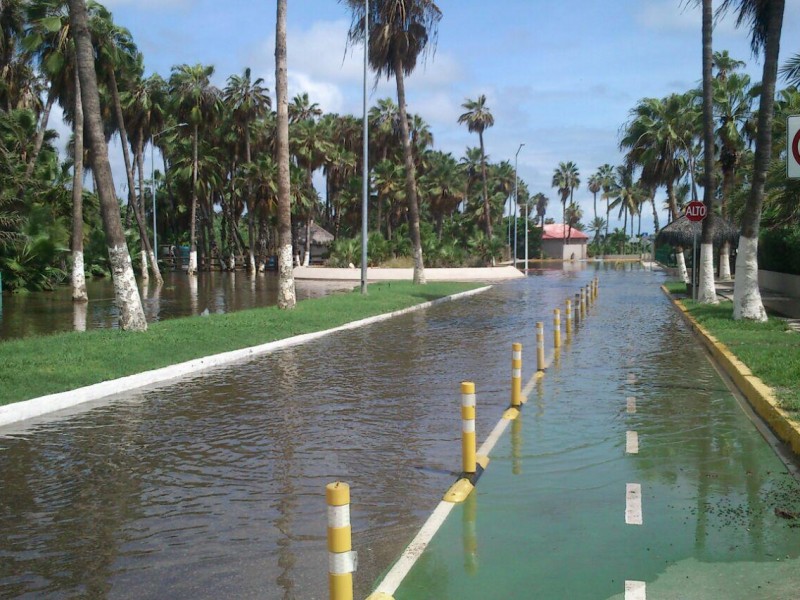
560 77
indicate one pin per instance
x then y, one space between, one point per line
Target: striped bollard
568 324
539 346
578 315
516 374
341 558
556 328
583 304
596 287
468 451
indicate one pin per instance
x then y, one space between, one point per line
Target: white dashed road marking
633 504
631 404
635 590
632 442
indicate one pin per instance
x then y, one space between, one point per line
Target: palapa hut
681 233
320 242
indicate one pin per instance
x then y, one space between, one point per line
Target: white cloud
678 15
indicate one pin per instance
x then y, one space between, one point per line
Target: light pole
153 182
516 197
365 159
527 212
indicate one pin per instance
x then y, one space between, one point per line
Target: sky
559 76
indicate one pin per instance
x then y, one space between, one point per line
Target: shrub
779 250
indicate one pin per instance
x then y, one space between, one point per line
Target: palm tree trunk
411 182
673 210
486 207
125 290
79 293
655 213
725 250
706 292
193 218
747 302
286 290
140 166
40 133
126 157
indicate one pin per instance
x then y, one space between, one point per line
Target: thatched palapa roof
319 236
682 231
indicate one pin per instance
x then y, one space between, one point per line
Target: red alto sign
695 211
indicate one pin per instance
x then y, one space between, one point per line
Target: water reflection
41 313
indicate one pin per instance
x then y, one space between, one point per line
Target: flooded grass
43 365
770 349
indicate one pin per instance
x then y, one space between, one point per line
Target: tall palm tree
766 21
706 292
541 201
565 179
197 103
125 289
595 184
286 292
606 175
248 101
478 118
400 32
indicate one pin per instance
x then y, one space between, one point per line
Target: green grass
770 350
42 365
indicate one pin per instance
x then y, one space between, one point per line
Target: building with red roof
564 242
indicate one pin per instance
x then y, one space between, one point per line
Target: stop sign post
695 211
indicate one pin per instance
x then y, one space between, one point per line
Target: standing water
214 487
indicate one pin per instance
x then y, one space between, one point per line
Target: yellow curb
760 396
380 596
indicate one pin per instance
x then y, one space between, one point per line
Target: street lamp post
365 160
153 182
516 198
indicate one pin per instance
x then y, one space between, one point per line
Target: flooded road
214 487
42 313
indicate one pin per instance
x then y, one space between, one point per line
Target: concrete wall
558 249
788 285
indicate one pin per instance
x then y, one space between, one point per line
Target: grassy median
42 365
770 350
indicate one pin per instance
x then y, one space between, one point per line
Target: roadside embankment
762 359
405 274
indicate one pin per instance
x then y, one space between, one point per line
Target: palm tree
733 100
248 101
766 21
574 215
125 289
597 225
595 184
286 292
658 137
302 109
400 32
706 292
566 178
541 201
478 118
197 102
606 175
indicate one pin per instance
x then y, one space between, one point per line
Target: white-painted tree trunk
126 292
151 256
79 293
706 292
746 293
193 295
79 310
144 274
286 291
682 271
725 262
192 262
307 259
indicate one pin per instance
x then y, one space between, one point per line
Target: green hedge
779 250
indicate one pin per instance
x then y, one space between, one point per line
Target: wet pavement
214 487
720 514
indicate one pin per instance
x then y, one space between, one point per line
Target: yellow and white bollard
539 346
578 313
342 561
583 304
568 324
556 328
516 374
468 448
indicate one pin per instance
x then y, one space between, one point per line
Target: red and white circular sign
695 211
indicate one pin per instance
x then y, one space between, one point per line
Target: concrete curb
36 407
760 396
